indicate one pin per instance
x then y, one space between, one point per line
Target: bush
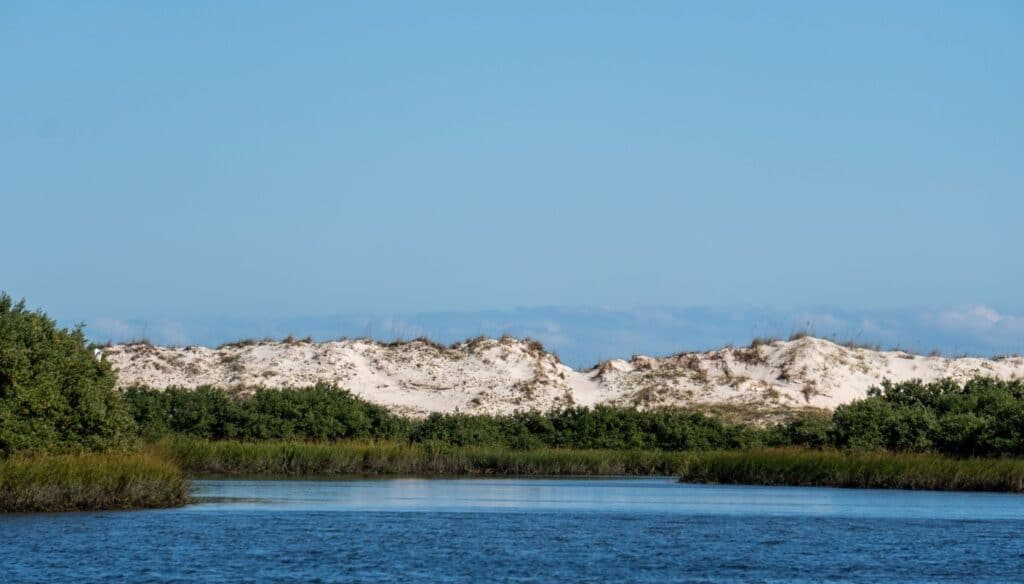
982 417
814 431
54 393
325 413
322 412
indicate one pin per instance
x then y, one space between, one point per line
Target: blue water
473 530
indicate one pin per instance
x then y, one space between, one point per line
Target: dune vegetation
983 417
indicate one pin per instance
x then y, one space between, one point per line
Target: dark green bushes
324 413
317 413
983 417
813 431
600 427
54 394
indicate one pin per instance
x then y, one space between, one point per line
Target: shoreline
159 475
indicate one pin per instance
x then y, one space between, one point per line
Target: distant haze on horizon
197 171
583 336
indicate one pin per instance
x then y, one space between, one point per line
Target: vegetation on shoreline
54 394
875 470
982 417
78 482
291 458
774 466
326 413
64 431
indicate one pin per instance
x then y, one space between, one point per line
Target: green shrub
321 412
814 431
982 417
54 393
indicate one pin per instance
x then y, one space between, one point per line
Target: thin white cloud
979 317
170 332
111 329
163 332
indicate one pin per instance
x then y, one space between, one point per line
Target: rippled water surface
477 530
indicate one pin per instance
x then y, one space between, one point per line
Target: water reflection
647 495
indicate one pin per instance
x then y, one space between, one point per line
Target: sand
506 375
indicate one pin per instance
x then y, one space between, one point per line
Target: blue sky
194 162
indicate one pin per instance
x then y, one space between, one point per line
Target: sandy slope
504 375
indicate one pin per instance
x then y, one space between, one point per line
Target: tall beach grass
831 468
790 466
77 482
289 458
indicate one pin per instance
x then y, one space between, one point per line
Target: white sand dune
505 375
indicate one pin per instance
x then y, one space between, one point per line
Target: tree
54 393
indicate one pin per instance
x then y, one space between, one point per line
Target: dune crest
508 374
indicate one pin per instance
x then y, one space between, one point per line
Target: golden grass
832 468
391 458
75 482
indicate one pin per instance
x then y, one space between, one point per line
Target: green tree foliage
812 430
322 412
982 417
54 394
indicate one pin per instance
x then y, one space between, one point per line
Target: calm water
473 530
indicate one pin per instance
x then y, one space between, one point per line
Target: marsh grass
789 466
78 482
288 458
832 468
155 477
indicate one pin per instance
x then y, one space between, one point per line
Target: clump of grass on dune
391 458
884 470
77 482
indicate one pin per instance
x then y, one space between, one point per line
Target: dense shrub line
982 417
326 413
317 413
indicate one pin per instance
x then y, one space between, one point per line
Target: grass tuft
352 458
875 470
79 482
